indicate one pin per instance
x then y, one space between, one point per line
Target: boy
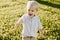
31 22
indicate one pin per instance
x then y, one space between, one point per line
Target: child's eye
32 10
28 10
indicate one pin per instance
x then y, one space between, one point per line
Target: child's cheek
34 13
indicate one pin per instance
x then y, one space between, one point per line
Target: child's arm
40 28
20 21
41 32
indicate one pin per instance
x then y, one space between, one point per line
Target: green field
11 11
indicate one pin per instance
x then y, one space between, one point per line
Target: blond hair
32 4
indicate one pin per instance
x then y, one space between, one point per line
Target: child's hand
42 35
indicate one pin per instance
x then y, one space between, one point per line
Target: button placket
30 29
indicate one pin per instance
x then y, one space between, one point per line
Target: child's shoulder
24 16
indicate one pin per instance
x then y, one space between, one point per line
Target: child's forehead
32 8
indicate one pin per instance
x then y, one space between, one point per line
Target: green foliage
50 21
55 4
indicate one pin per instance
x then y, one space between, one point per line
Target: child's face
32 11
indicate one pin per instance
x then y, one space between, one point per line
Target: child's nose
30 12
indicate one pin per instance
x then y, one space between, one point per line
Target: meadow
11 11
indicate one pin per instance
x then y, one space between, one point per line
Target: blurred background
12 10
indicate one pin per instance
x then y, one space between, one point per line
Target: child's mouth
30 14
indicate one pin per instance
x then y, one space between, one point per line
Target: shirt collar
32 17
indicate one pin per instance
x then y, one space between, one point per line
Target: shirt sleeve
39 24
23 18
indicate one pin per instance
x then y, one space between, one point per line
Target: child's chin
31 16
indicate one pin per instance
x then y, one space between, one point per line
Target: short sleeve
39 24
23 18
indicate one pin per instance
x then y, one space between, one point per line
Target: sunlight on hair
32 4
